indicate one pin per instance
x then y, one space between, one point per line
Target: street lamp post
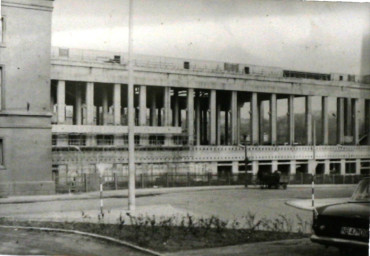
130 101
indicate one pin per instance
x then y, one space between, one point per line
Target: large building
63 113
25 132
190 116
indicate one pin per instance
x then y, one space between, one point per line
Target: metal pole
131 112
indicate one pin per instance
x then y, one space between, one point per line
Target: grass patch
169 234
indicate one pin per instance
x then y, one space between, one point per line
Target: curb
298 207
106 238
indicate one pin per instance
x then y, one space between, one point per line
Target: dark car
345 225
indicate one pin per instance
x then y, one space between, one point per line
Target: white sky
310 36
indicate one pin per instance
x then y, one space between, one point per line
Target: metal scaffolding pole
131 112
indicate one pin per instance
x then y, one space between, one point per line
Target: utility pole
130 101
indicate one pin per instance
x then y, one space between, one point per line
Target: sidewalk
139 192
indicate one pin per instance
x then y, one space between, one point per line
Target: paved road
24 242
301 247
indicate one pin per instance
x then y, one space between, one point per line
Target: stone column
261 112
358 166
153 110
255 167
273 119
212 119
176 108
61 101
142 106
274 165
355 121
117 104
218 114
235 167
325 120
167 107
105 105
342 166
367 120
311 166
234 117
340 120
291 119
309 118
197 118
347 116
293 167
327 166
190 116
90 103
78 105
254 119
227 127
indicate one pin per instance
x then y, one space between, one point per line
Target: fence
90 182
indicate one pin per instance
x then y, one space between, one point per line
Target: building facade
190 116
25 131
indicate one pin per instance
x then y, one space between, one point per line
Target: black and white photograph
184 128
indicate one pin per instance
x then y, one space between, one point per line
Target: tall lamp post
130 101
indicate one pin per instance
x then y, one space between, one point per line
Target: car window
362 191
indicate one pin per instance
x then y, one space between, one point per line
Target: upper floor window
1 87
1 153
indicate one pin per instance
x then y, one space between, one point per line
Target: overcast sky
311 36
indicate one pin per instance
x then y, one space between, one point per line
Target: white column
235 167
78 105
273 119
117 104
293 166
254 119
358 166
255 167
342 166
61 101
311 166
355 121
212 125
325 120
90 103
190 116
274 165
340 120
167 107
291 119
142 105
234 117
308 120
197 117
327 166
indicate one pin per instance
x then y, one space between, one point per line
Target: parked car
345 225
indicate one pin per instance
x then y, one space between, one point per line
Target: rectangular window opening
186 65
1 153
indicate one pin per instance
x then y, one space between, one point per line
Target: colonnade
205 110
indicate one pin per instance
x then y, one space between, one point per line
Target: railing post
167 185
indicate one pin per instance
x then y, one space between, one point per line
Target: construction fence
91 182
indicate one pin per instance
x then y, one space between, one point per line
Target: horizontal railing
91 182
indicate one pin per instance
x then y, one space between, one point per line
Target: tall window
1 87
1 153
